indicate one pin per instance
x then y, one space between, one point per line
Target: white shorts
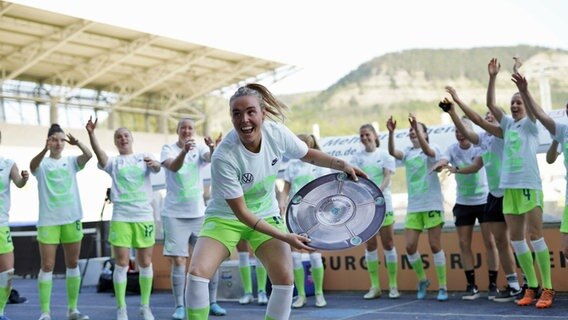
179 233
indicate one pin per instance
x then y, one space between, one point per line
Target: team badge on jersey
247 178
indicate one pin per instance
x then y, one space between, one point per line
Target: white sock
5 278
44 276
213 287
520 246
119 274
391 255
372 255
178 284
259 263
513 281
297 260
280 302
196 293
315 260
439 258
539 245
413 257
74 272
147 272
244 260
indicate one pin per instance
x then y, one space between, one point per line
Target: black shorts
494 209
466 215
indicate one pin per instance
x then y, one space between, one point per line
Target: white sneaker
372 294
76 315
320 301
262 298
246 299
299 302
45 316
146 313
121 313
393 293
179 314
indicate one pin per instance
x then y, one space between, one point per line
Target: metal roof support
39 50
99 65
5 7
53 112
159 74
213 81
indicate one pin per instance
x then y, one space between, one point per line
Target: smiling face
517 107
185 130
462 141
368 139
247 117
490 118
56 144
123 141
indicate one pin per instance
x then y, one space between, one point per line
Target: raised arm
34 164
493 69
99 152
19 178
474 117
174 164
391 126
322 159
212 145
86 156
552 152
421 137
469 134
534 111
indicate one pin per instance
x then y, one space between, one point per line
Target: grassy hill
414 80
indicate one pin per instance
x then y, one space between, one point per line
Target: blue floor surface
341 305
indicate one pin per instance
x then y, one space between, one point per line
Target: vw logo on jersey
247 178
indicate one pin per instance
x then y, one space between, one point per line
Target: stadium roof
70 53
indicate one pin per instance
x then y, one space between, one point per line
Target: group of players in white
496 173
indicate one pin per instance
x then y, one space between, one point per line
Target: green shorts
424 220
64 233
521 201
132 234
6 244
229 232
389 219
564 224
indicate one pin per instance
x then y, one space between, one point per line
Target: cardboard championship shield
336 212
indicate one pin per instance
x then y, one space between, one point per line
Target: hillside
414 80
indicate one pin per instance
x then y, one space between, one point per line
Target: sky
326 40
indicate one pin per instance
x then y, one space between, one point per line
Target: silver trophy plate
336 212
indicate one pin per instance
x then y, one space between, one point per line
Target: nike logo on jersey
274 161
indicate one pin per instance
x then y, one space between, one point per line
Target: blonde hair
310 140
182 120
122 128
274 107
